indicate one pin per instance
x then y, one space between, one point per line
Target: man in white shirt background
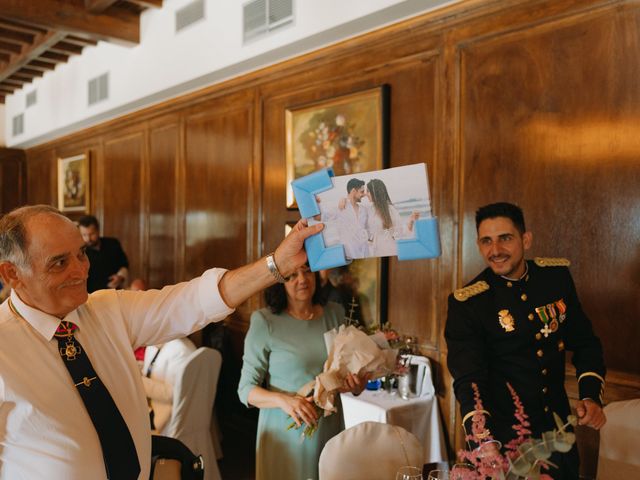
53 333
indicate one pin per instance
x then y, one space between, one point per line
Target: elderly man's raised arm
238 285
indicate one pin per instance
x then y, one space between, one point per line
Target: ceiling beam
56 57
98 6
65 47
30 72
15 35
10 47
148 3
40 46
120 26
40 65
21 27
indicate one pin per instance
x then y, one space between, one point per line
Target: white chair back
370 450
193 398
619 440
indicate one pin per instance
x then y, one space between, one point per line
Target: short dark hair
276 296
87 220
354 183
501 209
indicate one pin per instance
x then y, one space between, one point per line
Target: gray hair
13 233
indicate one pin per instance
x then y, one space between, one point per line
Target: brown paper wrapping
353 351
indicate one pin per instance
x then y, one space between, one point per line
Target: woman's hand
354 383
300 409
412 219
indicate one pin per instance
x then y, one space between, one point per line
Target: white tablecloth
418 415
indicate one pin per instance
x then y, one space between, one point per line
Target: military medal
542 313
70 350
553 324
563 308
506 320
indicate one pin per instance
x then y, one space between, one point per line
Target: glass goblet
438 475
462 471
409 473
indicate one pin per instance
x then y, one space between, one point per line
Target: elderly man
72 401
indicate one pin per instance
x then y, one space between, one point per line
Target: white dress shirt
45 430
351 226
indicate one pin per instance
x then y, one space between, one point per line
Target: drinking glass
438 475
489 453
409 473
404 386
461 471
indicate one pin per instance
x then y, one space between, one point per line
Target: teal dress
282 353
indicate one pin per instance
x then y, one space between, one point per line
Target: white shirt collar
42 322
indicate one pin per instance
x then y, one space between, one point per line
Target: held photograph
367 212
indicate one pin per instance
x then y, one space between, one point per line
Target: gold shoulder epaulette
463 294
551 262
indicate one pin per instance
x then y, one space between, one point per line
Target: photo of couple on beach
367 212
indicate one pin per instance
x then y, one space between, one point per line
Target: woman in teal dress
284 350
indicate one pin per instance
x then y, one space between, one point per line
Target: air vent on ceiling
32 98
263 16
99 88
18 125
189 14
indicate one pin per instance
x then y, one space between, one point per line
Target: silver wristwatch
273 268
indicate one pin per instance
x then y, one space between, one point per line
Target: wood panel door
121 204
218 172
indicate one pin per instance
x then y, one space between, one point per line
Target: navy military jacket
501 331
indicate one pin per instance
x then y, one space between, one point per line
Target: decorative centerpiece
524 457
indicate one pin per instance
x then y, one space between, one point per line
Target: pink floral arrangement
524 457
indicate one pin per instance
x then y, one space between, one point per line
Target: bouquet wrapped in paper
350 351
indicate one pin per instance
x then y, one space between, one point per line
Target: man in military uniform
513 323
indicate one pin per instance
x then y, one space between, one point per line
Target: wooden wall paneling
534 132
41 177
122 201
218 157
164 224
12 179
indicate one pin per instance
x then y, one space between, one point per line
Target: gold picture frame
74 183
348 133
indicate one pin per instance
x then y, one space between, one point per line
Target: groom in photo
351 219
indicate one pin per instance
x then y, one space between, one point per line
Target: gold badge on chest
506 321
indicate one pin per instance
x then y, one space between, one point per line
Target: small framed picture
348 133
73 183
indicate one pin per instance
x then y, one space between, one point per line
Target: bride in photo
386 225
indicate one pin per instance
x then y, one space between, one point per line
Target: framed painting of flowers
348 133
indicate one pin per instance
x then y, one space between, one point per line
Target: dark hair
88 220
354 183
276 296
381 201
501 209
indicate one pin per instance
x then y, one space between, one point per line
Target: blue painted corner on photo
425 245
306 188
322 257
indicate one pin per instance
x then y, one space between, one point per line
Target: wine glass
409 473
438 475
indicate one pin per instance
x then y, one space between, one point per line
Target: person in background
160 366
72 400
284 350
513 324
109 264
